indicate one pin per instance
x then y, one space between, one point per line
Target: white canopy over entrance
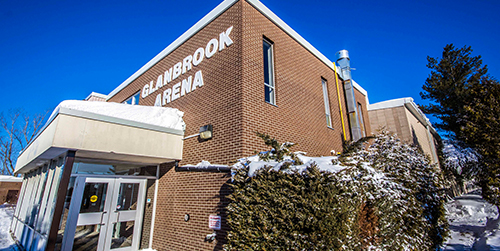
88 172
107 131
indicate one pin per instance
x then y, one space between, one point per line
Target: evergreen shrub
386 198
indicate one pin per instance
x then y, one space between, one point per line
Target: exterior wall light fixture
206 133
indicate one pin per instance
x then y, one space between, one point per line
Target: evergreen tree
466 100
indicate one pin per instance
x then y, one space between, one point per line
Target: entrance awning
107 131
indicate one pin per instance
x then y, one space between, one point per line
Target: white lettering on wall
224 39
186 86
177 70
211 48
198 80
175 91
151 89
168 76
145 91
159 82
189 84
158 100
166 96
198 56
186 64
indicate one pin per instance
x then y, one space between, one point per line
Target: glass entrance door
108 217
125 221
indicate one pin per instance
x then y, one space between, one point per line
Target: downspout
340 103
345 67
152 230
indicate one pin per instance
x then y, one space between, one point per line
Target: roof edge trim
62 110
409 104
291 32
216 12
359 88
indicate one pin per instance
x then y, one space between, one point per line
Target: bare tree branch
15 136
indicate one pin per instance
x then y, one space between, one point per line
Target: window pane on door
94 196
127 197
123 232
86 238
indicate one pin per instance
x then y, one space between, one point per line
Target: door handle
117 216
102 216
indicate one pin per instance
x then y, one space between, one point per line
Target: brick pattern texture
402 122
232 100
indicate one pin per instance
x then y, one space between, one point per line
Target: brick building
107 181
9 188
403 117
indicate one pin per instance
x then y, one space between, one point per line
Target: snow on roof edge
71 107
8 178
99 95
165 117
389 103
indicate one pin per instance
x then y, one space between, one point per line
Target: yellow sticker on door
93 198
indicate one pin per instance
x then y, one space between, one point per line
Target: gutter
210 168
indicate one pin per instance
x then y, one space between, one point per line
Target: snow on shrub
379 197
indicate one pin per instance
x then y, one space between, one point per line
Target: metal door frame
115 216
107 217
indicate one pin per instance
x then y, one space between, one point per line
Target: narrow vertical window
361 123
327 104
269 87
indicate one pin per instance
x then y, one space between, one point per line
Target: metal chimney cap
342 54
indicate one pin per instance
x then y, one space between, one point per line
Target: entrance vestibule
91 176
105 214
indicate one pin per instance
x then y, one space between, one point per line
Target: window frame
269 95
326 100
361 120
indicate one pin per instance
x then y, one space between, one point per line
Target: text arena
188 84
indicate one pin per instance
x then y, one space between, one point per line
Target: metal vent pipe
344 63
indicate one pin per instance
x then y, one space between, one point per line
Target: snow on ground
6 212
473 224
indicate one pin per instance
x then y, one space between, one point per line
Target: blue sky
51 51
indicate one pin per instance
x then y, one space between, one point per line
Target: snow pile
10 178
158 116
470 209
473 224
6 212
256 163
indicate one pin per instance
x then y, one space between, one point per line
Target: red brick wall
232 100
194 193
218 103
299 114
